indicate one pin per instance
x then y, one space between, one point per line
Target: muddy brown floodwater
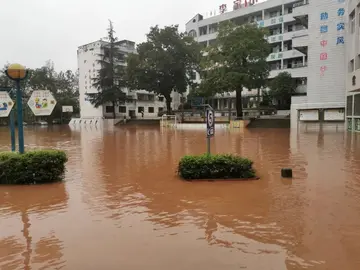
122 206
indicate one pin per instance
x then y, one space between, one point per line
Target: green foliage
63 85
215 167
282 87
33 167
266 99
111 78
237 59
164 62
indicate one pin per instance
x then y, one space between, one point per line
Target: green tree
63 86
236 60
4 80
282 87
164 63
111 78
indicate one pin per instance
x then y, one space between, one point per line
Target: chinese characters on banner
324 28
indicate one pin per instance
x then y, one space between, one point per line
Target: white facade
306 42
88 56
326 65
352 68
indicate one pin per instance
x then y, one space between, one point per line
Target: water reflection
123 205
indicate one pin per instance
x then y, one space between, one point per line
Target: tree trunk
114 112
239 108
168 105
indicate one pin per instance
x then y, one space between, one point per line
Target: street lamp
17 72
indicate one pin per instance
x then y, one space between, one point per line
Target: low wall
239 124
199 126
270 123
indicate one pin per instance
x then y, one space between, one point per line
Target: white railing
166 121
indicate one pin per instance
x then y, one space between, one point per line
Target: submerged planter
216 167
33 167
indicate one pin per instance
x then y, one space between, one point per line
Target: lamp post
17 73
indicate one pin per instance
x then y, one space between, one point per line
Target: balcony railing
301 3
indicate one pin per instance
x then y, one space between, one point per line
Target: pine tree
111 78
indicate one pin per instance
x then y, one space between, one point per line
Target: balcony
300 38
301 9
284 55
206 37
287 36
276 20
297 71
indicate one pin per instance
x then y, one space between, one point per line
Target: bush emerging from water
33 167
215 167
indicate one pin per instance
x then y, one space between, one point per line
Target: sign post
42 102
210 126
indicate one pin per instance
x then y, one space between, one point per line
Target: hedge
215 167
33 167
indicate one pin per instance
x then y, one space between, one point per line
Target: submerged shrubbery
223 166
33 167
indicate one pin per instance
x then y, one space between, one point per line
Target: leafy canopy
237 59
111 77
282 86
164 62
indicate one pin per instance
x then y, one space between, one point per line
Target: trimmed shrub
215 167
33 167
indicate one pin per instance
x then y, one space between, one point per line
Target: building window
122 109
352 22
161 109
151 110
193 75
273 14
351 65
349 101
145 97
357 62
140 109
353 80
203 30
84 61
109 109
192 33
290 10
161 99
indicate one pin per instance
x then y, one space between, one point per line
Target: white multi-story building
307 40
88 65
352 67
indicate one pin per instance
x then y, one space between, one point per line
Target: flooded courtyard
122 206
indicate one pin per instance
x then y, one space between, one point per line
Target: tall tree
164 62
282 87
236 60
111 78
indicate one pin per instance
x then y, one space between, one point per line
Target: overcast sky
33 31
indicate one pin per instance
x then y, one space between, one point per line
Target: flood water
122 206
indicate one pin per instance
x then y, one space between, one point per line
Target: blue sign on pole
210 123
